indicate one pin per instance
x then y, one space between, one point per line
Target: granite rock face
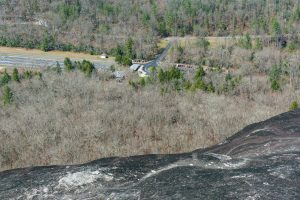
260 162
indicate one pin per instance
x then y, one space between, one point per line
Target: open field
192 40
20 57
162 43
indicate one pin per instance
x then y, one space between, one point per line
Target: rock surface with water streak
260 162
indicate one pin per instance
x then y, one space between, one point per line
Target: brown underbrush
70 119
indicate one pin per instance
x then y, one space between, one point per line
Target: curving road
159 57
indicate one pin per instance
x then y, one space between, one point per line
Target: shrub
28 74
203 43
200 84
45 45
275 85
86 67
230 84
152 70
125 53
15 75
200 73
143 82
275 77
112 68
291 46
7 95
39 75
57 69
5 78
187 85
275 27
68 64
168 75
133 85
294 105
210 88
258 44
3 41
246 42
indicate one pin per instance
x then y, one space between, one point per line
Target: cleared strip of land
20 57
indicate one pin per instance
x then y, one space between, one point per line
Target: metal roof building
135 67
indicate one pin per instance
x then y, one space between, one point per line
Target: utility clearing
20 57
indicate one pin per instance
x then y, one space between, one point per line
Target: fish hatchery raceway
32 58
262 161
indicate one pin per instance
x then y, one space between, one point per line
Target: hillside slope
101 25
260 162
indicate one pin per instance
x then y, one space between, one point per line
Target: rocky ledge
260 162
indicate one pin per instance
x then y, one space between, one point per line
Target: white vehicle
104 56
142 72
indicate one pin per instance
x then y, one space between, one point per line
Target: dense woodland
102 25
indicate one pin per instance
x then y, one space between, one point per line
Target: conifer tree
68 64
7 95
15 75
5 78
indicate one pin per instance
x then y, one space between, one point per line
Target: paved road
160 57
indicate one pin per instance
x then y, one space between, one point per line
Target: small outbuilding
135 67
104 56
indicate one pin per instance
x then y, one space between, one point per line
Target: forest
97 26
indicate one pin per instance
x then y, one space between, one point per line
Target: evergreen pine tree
5 78
275 26
7 95
15 75
68 64
258 44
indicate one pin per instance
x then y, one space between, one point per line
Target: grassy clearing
215 42
39 53
55 55
162 44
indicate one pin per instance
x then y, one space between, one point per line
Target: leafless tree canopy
103 24
69 118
